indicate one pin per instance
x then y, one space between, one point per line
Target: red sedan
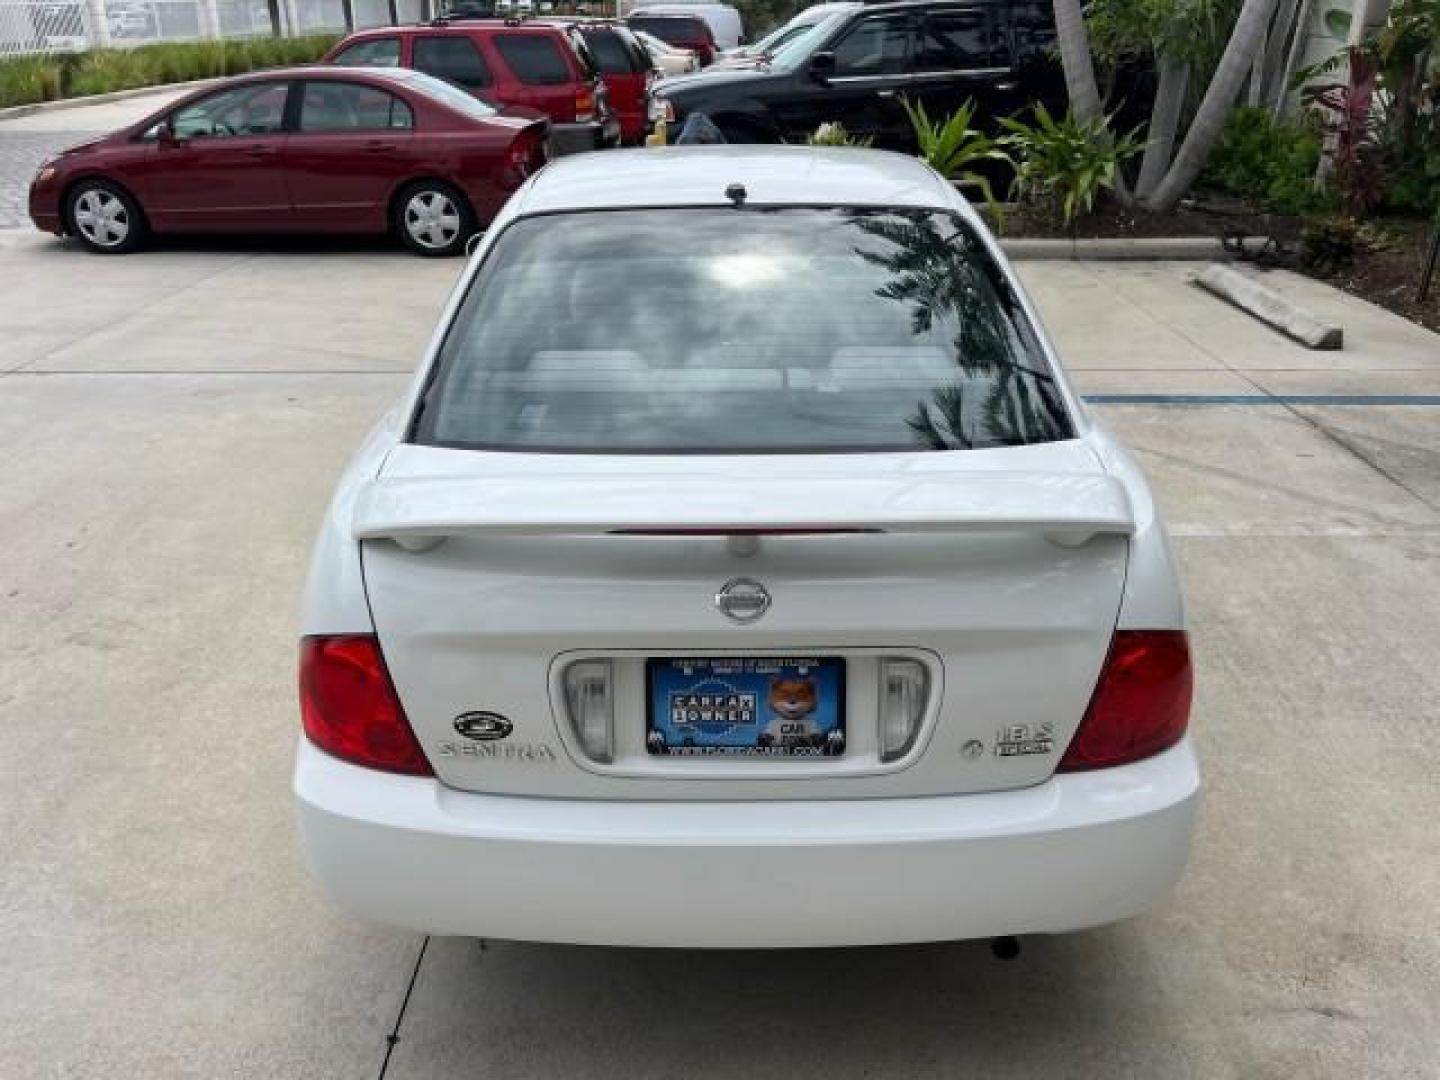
314 149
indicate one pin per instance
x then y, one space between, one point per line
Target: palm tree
1164 122
1075 58
1235 65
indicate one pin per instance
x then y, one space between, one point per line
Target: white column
209 18
98 31
291 9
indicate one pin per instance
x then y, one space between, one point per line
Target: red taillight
1141 704
584 105
526 154
349 707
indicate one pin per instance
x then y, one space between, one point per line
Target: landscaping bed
1382 264
1387 271
1111 221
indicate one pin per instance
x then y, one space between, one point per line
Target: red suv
522 68
627 70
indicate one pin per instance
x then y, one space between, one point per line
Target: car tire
104 217
433 219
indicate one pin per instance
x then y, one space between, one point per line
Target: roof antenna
736 194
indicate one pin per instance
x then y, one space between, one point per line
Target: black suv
856 67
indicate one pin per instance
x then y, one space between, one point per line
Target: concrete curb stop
14 112
1270 307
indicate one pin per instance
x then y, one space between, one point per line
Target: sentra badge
1015 740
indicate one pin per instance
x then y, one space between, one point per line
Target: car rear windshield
740 331
676 30
610 52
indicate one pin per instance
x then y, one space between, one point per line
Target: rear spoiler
418 511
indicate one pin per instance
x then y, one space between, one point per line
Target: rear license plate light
904 686
591 704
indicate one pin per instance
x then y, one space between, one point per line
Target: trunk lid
1000 571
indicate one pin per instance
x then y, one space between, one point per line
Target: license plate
781 707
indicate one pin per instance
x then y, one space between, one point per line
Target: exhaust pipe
1005 948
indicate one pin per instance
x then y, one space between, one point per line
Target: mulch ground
1385 270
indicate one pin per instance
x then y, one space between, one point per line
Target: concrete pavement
170 427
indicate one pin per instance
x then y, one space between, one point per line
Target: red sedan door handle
375 146
261 151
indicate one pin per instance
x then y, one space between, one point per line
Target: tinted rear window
377 52
534 59
723 331
454 59
675 31
609 52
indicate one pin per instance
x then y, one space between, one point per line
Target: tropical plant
954 149
1068 162
1267 160
1350 120
1403 53
834 134
1383 115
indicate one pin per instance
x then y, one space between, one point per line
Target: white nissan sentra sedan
742 570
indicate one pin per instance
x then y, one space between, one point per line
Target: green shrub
186 61
1066 162
46 78
1271 162
1330 244
1414 185
111 69
29 79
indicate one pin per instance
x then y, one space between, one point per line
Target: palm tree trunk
1075 58
1235 64
1281 102
1275 47
1257 72
1164 123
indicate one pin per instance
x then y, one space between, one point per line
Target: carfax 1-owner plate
750 707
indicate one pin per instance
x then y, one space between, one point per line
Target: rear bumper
577 138
1079 850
